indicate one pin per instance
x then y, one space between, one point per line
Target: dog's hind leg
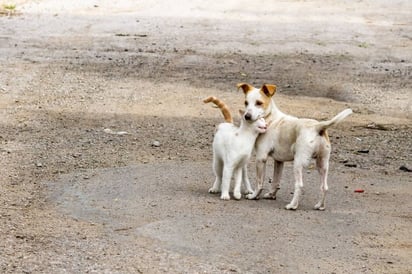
274 187
218 170
297 171
322 164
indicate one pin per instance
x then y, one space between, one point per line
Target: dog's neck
248 128
273 114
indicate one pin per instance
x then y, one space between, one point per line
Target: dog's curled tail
335 120
223 107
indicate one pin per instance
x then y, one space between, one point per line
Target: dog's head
259 125
257 101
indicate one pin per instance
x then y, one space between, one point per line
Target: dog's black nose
248 116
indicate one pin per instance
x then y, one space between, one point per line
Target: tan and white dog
288 139
232 148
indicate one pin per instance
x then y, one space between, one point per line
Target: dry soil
105 144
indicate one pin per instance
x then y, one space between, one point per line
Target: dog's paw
270 195
252 196
247 191
320 206
237 195
213 190
291 206
225 197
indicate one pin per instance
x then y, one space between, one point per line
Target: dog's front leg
260 176
245 181
226 178
275 186
238 182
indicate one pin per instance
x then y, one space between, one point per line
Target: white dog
232 148
288 139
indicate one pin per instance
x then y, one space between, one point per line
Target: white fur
232 148
289 139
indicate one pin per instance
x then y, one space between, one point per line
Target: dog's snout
248 116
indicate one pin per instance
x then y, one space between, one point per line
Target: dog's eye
246 103
259 103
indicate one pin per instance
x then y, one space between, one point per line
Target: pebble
405 168
109 131
155 144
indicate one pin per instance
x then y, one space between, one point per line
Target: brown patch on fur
268 90
325 135
223 107
245 87
265 100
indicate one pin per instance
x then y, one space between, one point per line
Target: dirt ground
105 145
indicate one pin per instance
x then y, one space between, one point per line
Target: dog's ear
268 90
245 87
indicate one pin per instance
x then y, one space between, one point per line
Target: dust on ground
79 195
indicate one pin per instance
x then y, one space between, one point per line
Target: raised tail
322 126
223 107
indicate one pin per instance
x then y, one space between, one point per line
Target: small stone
156 144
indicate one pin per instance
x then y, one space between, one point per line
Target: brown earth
105 144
